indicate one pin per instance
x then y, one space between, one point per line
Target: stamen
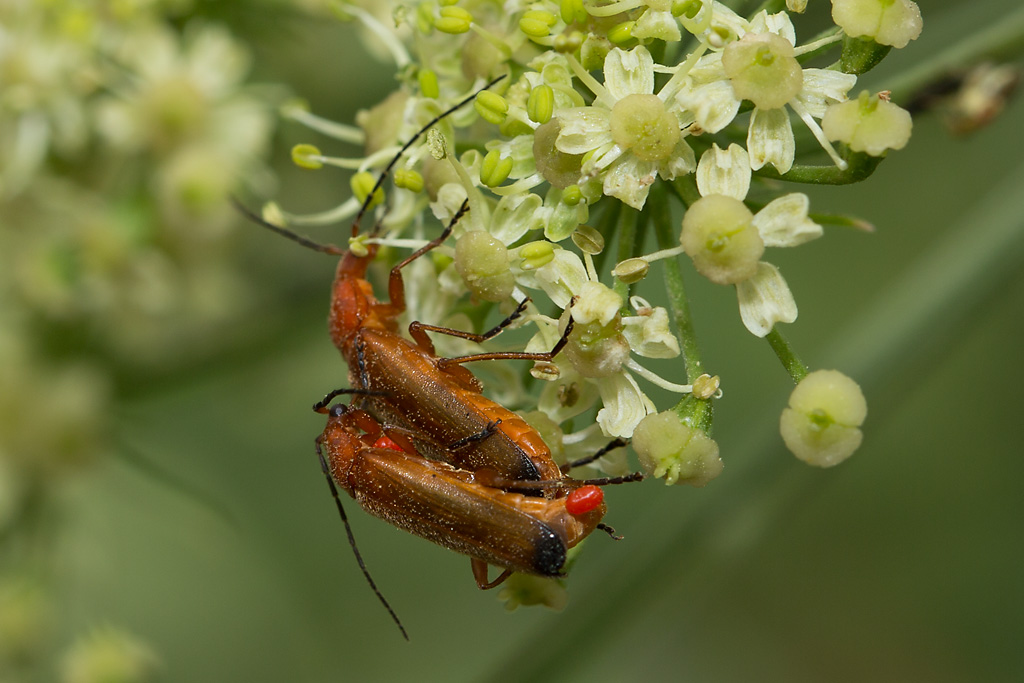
819 135
656 379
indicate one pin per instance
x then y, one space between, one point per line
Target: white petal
563 277
630 180
724 172
629 73
624 405
681 162
582 129
596 302
658 25
649 335
779 23
765 299
515 215
822 87
568 396
783 222
770 139
714 105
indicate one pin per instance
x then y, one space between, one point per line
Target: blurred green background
210 534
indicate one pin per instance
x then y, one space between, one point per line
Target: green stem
661 216
782 348
685 188
628 219
860 167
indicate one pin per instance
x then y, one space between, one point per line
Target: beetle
456 508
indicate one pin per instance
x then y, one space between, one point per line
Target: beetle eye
338 409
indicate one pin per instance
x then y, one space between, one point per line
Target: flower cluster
121 135
603 115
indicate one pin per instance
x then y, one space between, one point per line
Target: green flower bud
428 83
763 69
541 103
537 23
868 124
686 8
887 22
409 179
572 195
573 11
720 237
642 124
621 34
492 107
362 184
558 168
453 20
536 254
494 168
307 156
676 451
483 263
821 426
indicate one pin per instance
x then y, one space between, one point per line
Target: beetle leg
610 531
512 355
491 428
396 286
480 574
418 329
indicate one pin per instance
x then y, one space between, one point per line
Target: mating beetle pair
489 488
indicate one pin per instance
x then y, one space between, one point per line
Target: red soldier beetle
455 508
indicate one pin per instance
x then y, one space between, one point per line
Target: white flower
719 81
764 297
630 134
600 347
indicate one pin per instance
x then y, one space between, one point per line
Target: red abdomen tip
386 442
583 500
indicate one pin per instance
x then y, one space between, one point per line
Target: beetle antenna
387 169
352 541
285 232
610 446
567 483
